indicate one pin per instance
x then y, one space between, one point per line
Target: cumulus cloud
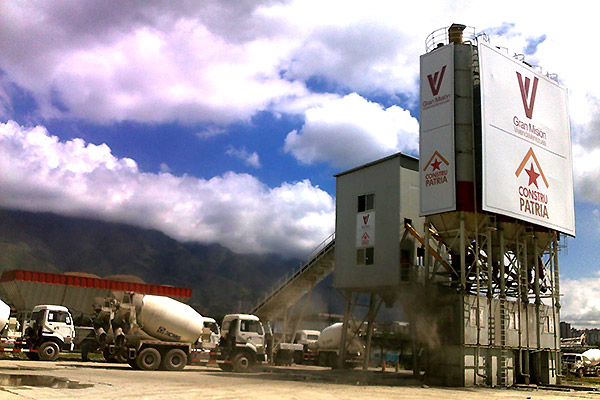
40 173
581 303
155 62
203 61
250 159
351 131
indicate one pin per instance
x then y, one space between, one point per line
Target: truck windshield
312 337
59 316
37 316
213 327
251 326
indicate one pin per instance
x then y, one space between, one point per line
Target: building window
366 202
473 316
513 320
547 325
365 256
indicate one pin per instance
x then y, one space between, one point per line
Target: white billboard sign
436 134
526 143
365 229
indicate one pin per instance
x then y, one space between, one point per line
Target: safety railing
284 281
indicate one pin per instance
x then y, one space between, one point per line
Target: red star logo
436 164
532 176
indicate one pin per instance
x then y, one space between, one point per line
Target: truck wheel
174 360
242 362
32 356
48 351
579 373
148 359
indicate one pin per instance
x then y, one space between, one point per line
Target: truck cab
308 339
242 343
50 330
306 336
573 363
215 334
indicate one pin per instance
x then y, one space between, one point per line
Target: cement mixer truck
147 331
327 347
48 331
586 363
157 332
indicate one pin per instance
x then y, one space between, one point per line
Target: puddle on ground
53 382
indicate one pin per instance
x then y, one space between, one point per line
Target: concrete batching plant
476 268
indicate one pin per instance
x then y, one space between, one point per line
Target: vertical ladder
492 330
503 355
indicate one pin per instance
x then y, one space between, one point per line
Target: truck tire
148 359
49 351
174 360
33 356
242 362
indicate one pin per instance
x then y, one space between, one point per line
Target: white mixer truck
48 331
327 347
586 363
147 331
152 332
242 343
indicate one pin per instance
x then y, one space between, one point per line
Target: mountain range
221 281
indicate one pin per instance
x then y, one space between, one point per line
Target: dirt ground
21 379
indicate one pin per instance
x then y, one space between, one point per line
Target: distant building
565 330
592 336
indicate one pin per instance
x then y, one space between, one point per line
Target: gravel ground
20 379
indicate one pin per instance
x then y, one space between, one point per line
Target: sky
224 122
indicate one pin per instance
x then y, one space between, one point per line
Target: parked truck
40 335
327 347
581 364
148 331
242 344
307 338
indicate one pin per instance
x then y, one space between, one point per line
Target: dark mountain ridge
221 281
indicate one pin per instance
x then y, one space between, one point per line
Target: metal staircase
290 289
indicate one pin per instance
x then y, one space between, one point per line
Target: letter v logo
524 86
435 81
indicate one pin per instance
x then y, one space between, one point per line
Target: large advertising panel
526 143
436 136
